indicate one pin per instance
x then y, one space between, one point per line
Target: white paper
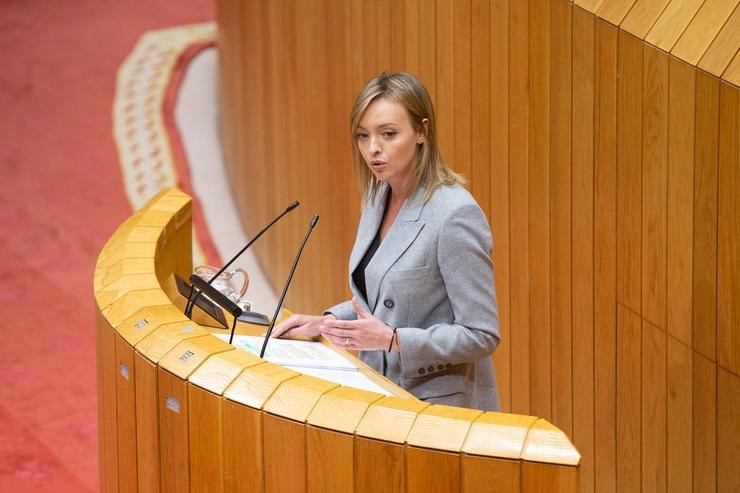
300 354
354 379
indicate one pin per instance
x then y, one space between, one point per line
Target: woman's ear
422 132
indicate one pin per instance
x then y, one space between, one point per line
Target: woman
424 307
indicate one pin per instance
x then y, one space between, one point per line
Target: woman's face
388 142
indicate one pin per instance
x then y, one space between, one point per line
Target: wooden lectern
180 410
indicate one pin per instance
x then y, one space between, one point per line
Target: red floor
61 197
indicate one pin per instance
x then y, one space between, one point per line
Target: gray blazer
432 278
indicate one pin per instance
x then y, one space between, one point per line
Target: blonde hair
430 170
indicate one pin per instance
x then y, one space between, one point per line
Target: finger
343 324
359 309
341 333
284 326
340 341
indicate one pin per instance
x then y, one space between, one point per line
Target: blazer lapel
368 228
402 234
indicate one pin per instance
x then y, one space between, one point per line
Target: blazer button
440 367
389 303
430 369
422 371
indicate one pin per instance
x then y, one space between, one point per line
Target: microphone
189 305
219 298
314 220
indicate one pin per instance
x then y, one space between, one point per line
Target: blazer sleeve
463 255
343 311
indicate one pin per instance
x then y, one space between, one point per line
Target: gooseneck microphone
314 220
192 299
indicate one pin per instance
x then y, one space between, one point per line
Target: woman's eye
389 134
361 136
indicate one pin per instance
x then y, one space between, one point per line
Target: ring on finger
346 343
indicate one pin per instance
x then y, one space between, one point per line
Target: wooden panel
431 471
702 30
629 155
485 474
561 228
499 190
728 437
654 186
672 22
546 477
147 424
680 199
107 371
653 424
629 342
445 77
705 424
480 104
372 456
605 256
728 281
284 454
206 443
679 417
642 16
590 5
462 84
704 289
539 209
242 439
583 244
614 10
732 72
330 460
519 207
173 433
719 54
126 415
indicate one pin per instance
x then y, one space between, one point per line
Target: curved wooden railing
181 410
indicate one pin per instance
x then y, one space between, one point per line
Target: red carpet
61 197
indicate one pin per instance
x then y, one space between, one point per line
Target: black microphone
219 298
314 220
189 305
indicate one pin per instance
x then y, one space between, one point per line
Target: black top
359 274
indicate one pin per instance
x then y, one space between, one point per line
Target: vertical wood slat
489 475
704 423
605 256
583 94
445 80
539 210
173 432
206 441
329 460
126 415
284 454
653 413
242 434
629 399
431 471
728 439
462 86
679 430
147 421
561 227
372 456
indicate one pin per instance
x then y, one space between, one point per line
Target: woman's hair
430 170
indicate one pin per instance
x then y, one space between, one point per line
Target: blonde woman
424 308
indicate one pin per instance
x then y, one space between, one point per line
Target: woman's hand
367 332
301 325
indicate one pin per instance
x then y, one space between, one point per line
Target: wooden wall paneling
605 256
206 440
680 199
703 29
432 471
519 112
642 16
480 104
499 188
719 54
284 454
654 185
372 456
561 223
629 402
173 432
548 477
462 85
679 425
539 210
614 11
728 281
486 474
412 38
728 435
147 423
384 32
589 5
445 79
732 72
107 371
428 54
629 175
705 423
398 37
704 287
583 247
330 461
654 375
672 22
242 441
126 415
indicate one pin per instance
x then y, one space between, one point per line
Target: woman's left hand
367 332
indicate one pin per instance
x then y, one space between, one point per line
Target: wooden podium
180 410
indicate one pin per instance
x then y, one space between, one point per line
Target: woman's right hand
301 325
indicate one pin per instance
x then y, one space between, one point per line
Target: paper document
300 354
353 379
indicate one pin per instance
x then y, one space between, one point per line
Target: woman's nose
374 145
